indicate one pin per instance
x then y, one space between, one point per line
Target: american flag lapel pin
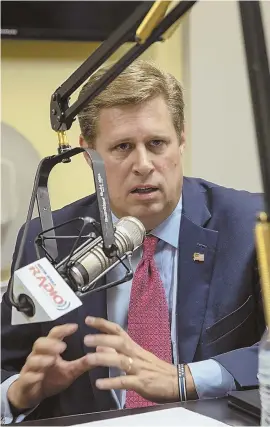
197 256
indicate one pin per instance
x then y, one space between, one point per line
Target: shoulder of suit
67 212
221 198
85 202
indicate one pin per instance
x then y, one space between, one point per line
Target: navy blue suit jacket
219 310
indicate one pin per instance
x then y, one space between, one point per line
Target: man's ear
183 141
84 144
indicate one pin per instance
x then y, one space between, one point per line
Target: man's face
142 156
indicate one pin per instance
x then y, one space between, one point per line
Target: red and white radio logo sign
47 284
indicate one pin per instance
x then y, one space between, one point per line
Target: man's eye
157 143
123 147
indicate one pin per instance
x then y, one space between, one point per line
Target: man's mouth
143 190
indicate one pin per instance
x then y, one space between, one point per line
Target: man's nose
142 163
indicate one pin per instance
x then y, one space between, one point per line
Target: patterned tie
148 315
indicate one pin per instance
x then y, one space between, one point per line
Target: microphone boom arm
62 115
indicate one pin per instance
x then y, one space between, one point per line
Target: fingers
62 331
110 328
39 363
105 326
79 366
113 359
53 344
44 362
115 342
45 345
103 358
101 349
127 382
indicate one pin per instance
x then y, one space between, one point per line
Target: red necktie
148 315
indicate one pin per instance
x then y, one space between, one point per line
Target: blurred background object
65 20
19 161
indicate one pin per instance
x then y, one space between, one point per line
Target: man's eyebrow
120 141
158 136
147 138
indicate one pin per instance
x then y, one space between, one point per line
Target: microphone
48 288
129 235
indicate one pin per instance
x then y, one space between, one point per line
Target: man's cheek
115 189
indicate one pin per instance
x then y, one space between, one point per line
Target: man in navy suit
205 256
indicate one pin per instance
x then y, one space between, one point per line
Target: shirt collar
168 230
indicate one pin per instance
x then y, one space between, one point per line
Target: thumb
79 366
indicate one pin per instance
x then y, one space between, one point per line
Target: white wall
221 133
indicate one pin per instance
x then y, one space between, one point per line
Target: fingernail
90 319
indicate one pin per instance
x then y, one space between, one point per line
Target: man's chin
147 214
145 210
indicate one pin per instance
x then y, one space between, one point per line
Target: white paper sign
167 417
51 295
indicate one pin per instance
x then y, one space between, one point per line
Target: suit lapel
194 276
